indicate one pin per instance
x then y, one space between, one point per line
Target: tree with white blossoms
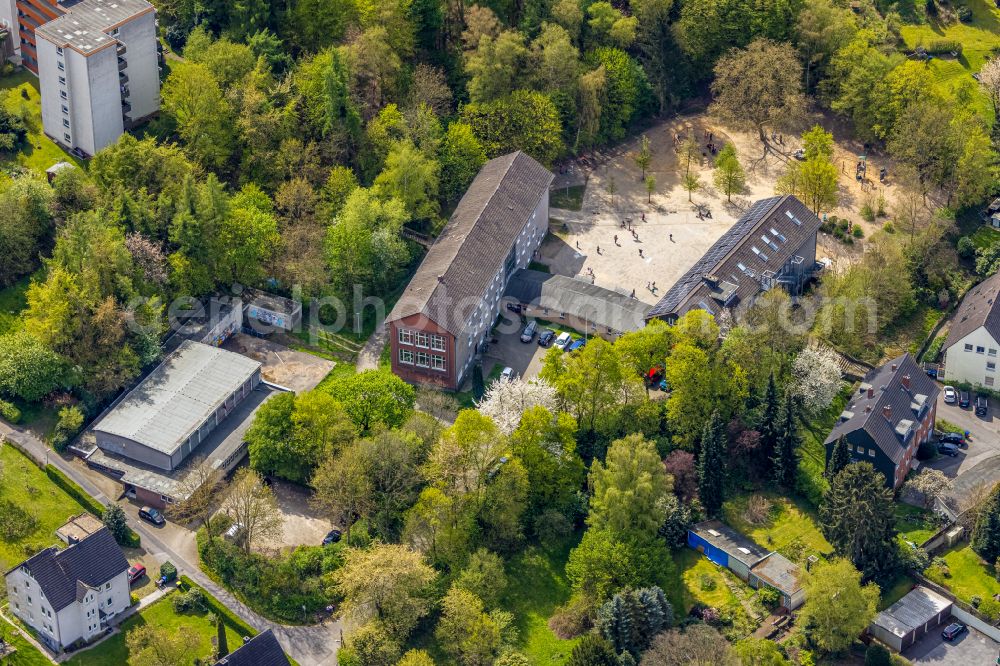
506 400
989 81
816 377
930 483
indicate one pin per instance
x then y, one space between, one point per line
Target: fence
962 611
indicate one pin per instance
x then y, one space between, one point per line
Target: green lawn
812 461
27 654
790 529
537 585
985 236
567 198
914 524
12 302
969 575
978 38
896 591
41 152
707 583
31 490
194 626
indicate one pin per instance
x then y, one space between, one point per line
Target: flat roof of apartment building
86 25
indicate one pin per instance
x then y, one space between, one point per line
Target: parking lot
524 357
970 649
980 462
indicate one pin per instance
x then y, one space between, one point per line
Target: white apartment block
97 63
72 594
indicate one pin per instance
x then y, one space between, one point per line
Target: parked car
664 386
135 572
950 395
333 536
955 438
799 154
507 374
946 449
982 405
563 341
953 631
963 399
579 343
515 307
152 515
546 338
528 334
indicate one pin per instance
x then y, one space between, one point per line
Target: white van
563 341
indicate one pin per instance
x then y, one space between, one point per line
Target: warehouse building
174 409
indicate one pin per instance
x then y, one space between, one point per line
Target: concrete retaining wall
975 622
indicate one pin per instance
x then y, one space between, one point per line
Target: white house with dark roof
70 595
971 348
888 417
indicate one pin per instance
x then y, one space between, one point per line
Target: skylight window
777 234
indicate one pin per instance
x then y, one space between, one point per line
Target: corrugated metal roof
462 263
916 609
558 293
176 398
729 540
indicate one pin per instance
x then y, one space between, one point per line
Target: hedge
84 499
217 607
9 411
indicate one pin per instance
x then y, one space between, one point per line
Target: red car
135 572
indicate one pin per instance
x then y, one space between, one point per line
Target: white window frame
406 357
438 343
439 363
405 336
422 340
968 347
423 360
980 350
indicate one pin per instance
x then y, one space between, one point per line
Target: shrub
926 451
193 600
15 522
877 655
889 228
990 609
572 619
9 412
975 601
770 597
758 509
858 232
966 248
867 212
69 424
706 582
938 46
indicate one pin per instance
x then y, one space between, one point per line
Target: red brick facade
423 352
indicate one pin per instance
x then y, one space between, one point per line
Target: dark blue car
579 343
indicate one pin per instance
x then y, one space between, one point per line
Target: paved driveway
971 649
524 357
980 462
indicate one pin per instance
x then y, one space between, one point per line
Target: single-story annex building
756 566
576 303
905 622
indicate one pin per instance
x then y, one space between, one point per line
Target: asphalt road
980 462
311 645
970 649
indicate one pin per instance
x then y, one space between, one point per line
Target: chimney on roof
906 382
871 392
894 366
868 408
887 412
441 279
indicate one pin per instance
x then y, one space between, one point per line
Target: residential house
970 350
71 595
888 417
261 650
772 244
443 318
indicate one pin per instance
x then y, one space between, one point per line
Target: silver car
528 334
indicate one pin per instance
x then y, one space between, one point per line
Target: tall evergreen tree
632 618
785 464
712 465
986 533
857 518
769 428
592 650
840 457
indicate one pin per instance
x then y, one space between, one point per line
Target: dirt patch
295 370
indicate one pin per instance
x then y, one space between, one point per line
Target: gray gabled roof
86 24
470 251
560 294
65 576
178 396
730 541
261 650
978 308
907 407
732 269
917 608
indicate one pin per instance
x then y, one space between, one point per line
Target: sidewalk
309 645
